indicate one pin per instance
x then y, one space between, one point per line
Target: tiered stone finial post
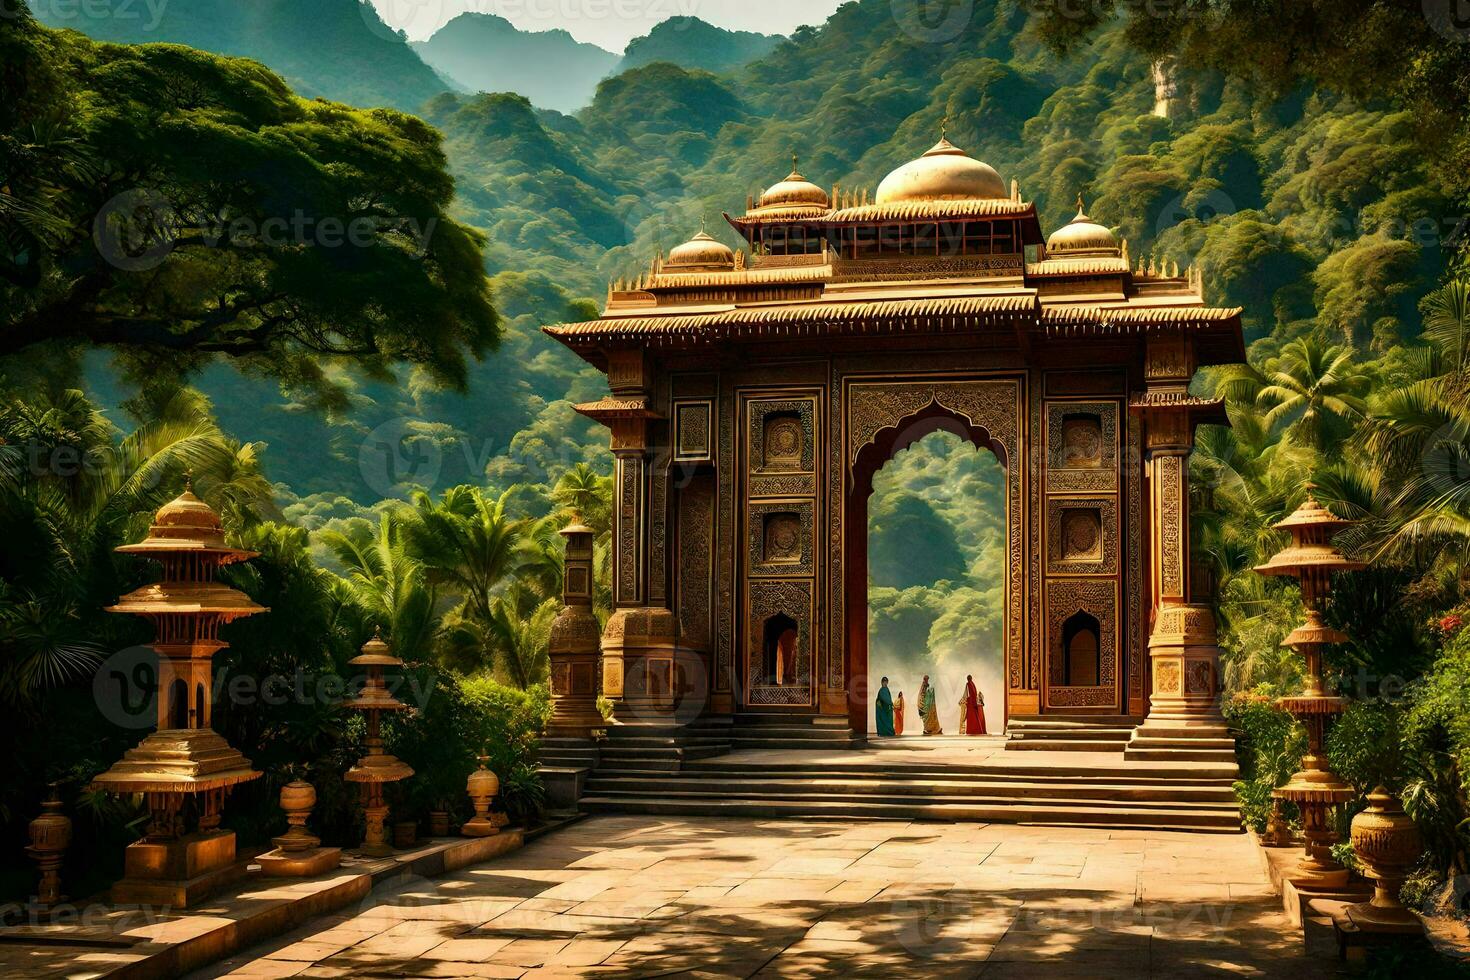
482 786
573 646
50 836
377 768
1315 789
177 864
298 852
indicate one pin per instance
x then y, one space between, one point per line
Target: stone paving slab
640 896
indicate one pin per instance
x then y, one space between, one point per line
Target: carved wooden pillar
1183 654
638 643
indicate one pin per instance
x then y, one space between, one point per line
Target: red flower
1450 625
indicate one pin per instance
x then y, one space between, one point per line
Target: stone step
1051 813
1179 774
1220 756
1067 745
1170 742
762 742
1225 810
1074 733
812 732
696 782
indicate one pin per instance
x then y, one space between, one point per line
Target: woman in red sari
974 708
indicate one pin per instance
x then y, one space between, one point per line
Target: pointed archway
886 443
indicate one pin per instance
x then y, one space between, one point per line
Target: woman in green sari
884 710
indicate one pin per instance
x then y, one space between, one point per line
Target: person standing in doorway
929 708
883 711
974 708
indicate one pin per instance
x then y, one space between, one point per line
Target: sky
610 24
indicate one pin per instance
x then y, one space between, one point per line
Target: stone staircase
754 730
1170 741
1196 798
1069 733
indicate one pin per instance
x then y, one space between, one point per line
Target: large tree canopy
174 205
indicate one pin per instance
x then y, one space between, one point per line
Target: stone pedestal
639 665
176 873
573 647
1184 722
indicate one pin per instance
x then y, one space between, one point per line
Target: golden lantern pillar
183 769
377 768
1315 788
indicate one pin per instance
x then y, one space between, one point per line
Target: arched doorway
863 671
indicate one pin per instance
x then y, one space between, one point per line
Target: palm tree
520 627
467 543
388 584
71 492
1447 323
587 493
1311 387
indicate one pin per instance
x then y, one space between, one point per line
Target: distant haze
610 24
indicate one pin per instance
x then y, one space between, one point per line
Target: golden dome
701 251
795 191
187 510
944 173
1081 236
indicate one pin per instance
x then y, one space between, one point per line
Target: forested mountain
693 43
1308 210
335 49
486 53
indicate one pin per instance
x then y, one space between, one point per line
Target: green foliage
1269 747
175 205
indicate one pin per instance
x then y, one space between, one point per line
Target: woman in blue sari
884 710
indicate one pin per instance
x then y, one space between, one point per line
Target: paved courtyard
644 896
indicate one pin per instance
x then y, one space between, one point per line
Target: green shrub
1269 747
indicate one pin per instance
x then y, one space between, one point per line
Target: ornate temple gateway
754 394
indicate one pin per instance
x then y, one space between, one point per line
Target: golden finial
1080 209
944 127
793 161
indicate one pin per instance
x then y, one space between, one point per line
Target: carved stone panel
696 533
780 538
772 603
1082 536
694 436
1098 598
781 435
1082 447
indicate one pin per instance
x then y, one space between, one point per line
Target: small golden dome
944 173
1082 236
187 510
795 191
701 251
